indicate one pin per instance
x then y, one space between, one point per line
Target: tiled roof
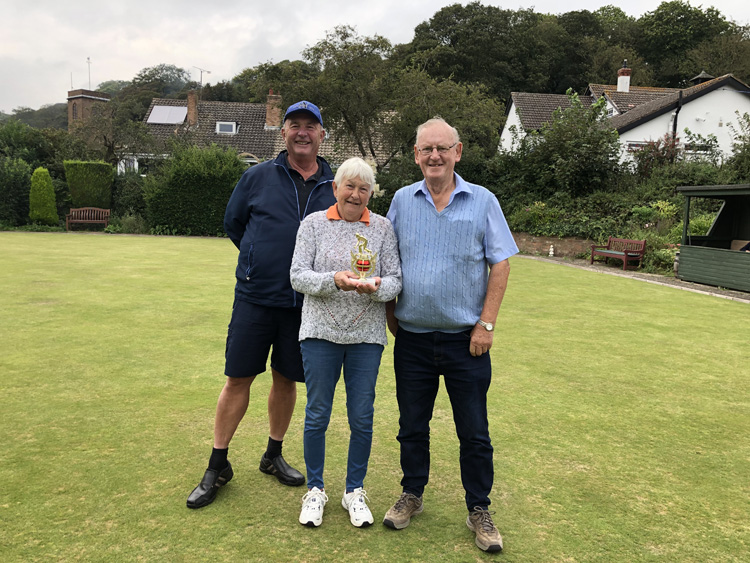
536 109
252 136
637 106
663 104
626 101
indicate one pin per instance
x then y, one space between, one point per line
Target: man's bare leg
281 401
230 409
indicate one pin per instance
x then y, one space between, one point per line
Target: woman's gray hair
433 121
355 168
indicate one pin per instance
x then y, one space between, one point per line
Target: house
252 129
642 114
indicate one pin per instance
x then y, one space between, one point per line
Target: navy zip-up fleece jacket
262 220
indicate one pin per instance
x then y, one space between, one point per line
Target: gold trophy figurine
363 260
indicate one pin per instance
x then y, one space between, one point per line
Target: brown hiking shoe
480 522
399 515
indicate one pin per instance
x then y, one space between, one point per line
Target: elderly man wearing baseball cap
262 218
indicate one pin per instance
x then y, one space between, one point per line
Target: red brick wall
569 246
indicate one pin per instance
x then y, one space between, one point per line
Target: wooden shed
714 258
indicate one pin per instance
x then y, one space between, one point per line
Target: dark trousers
419 361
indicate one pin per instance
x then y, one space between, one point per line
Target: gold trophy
363 260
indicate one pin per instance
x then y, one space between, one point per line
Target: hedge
90 183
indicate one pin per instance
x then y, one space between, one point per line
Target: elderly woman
343 325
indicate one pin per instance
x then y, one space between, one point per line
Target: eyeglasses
427 151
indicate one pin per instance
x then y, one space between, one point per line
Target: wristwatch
488 326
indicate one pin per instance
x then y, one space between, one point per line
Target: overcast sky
43 43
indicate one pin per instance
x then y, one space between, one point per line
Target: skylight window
226 127
167 115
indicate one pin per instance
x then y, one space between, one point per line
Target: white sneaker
312 507
355 503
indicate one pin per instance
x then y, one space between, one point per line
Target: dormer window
226 127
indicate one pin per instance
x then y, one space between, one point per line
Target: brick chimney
273 111
623 77
192 109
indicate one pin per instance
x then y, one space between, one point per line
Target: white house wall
506 139
711 114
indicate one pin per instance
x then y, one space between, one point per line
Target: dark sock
218 460
274 448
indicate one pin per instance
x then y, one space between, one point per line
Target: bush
42 207
90 183
127 195
15 180
129 223
189 192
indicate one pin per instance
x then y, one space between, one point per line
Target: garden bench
622 249
87 215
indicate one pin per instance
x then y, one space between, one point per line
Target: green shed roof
715 191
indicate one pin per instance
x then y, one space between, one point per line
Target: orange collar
333 214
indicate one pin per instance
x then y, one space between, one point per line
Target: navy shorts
253 331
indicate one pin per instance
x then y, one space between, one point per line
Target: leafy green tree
189 192
506 50
113 87
673 29
42 208
576 153
47 116
15 179
739 162
166 79
285 78
112 133
723 54
368 99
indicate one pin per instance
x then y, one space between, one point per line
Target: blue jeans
322 361
419 361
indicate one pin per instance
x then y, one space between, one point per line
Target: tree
739 162
576 153
166 79
112 87
42 208
673 29
112 133
51 115
723 54
476 44
285 78
368 99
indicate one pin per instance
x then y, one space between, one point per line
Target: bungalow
642 114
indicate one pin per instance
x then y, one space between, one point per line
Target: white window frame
233 124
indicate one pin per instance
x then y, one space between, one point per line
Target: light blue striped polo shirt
445 256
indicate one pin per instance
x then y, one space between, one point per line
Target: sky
45 44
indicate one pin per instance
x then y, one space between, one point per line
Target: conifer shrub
42 206
90 183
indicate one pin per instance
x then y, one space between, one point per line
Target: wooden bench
89 215
622 249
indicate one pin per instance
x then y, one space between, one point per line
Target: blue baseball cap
309 107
